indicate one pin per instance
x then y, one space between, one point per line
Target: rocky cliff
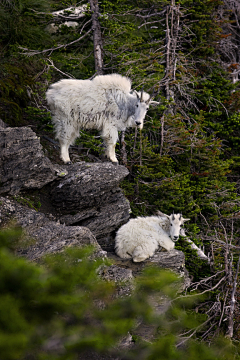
77 204
58 206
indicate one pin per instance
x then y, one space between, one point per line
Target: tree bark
171 44
97 37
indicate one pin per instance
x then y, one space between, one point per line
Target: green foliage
22 22
187 161
189 176
197 268
90 142
40 303
204 25
14 83
39 116
61 308
33 202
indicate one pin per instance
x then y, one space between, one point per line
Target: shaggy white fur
141 237
105 103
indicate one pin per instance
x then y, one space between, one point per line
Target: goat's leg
110 153
66 132
64 152
66 138
110 137
139 255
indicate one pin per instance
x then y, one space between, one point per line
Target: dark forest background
186 159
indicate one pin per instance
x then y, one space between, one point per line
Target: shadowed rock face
44 236
89 196
22 162
85 198
87 185
83 194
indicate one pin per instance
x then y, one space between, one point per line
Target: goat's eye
137 105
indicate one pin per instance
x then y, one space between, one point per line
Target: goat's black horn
141 95
134 91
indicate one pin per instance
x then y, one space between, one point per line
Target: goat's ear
152 102
185 219
159 213
148 101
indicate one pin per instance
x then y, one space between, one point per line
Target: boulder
86 195
43 235
89 195
172 260
87 185
23 164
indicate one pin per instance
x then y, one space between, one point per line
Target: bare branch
28 52
203 292
65 74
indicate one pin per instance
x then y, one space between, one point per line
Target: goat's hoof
115 163
69 163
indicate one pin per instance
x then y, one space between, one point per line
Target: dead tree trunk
97 37
171 44
123 149
232 303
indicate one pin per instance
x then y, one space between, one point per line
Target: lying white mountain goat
141 237
105 103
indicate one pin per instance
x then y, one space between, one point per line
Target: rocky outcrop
42 235
84 204
90 196
83 194
173 260
87 185
3 124
23 165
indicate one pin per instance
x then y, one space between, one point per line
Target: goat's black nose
138 123
175 238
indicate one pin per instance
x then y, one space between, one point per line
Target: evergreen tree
61 309
187 156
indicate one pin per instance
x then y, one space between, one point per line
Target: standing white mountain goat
141 237
105 103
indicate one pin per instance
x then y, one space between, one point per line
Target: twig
162 134
194 332
52 65
123 149
224 302
205 291
205 280
36 52
140 145
223 243
50 140
204 335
